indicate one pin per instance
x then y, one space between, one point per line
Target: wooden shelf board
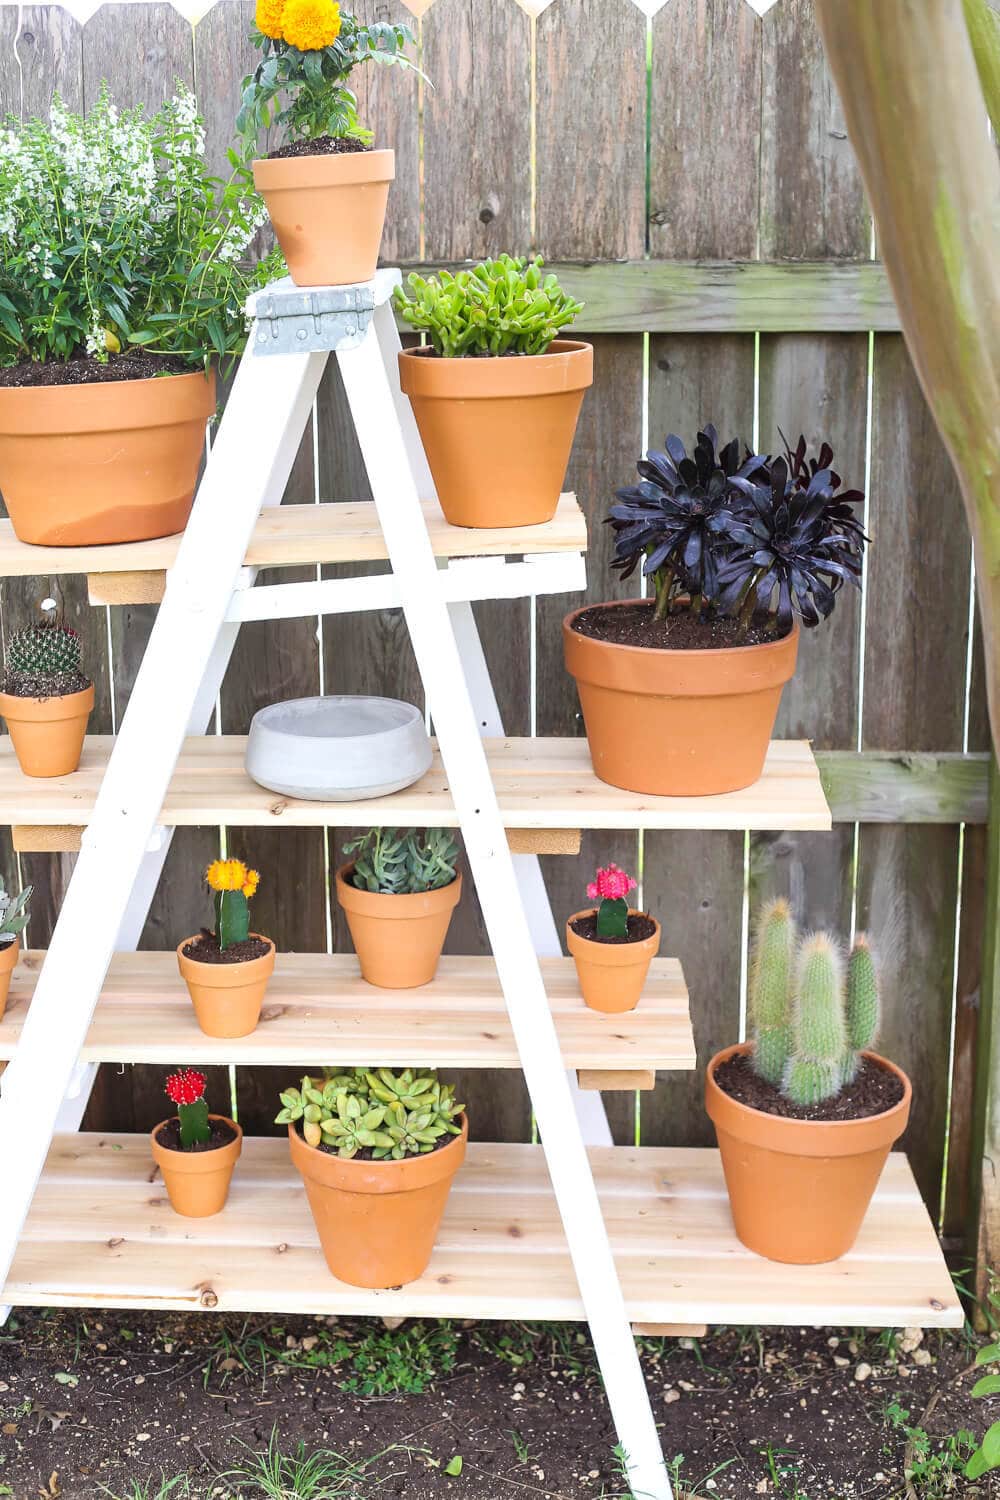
288 535
541 783
319 1010
101 1233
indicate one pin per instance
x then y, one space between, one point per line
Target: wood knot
113 1244
515 1232
444 1281
282 1249
937 1306
277 808
490 209
207 1298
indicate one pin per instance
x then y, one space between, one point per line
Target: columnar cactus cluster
812 1015
49 652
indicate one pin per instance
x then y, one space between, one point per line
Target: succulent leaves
502 306
391 1115
13 914
402 862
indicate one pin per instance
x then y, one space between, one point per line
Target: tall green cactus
771 991
816 1067
864 1005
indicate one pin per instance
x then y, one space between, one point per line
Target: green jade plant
391 1115
502 306
403 862
812 1018
46 655
13 914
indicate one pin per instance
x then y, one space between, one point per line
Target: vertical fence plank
914 697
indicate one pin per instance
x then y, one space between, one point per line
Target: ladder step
101 1234
318 1009
287 536
541 784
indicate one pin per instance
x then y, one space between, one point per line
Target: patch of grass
323 1475
372 1362
935 1466
518 1344
178 1488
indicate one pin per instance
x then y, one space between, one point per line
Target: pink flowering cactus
611 887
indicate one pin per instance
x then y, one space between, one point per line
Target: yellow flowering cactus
234 885
308 50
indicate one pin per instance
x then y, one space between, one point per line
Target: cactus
402 862
771 991
233 885
611 887
392 1115
864 1004
49 653
13 914
815 1070
186 1089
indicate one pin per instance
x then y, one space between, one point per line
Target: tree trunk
916 117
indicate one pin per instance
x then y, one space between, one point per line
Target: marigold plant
234 886
186 1089
309 49
114 235
610 887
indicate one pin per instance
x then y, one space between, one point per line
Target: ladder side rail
243 473
370 395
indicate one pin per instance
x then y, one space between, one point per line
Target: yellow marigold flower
310 24
269 13
251 883
226 874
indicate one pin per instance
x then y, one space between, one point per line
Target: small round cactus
44 660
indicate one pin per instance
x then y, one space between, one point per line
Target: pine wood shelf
540 783
101 1234
288 536
319 1010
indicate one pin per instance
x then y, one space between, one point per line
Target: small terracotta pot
611 975
520 411
378 1220
8 962
227 997
328 212
678 723
398 939
48 733
197 1182
799 1189
83 465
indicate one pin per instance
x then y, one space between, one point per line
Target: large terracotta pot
378 1220
678 723
328 212
81 465
197 1182
8 962
48 733
398 939
799 1189
497 432
611 975
227 997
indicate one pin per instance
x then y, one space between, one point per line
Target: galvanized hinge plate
289 319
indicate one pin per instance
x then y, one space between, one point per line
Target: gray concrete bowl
338 748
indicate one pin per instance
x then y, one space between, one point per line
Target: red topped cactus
186 1088
611 887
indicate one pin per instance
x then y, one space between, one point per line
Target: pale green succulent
393 1115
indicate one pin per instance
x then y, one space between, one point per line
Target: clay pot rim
240 967
805 1137
358 1175
13 949
591 947
426 352
318 169
698 653
402 906
133 383
196 1162
566 366
44 708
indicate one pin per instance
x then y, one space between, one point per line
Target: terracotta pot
227 997
197 1182
378 1220
799 1189
8 962
48 733
398 939
497 432
678 723
81 465
328 212
611 975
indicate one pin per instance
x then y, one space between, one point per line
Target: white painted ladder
208 595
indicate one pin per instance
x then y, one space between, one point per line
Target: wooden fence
693 175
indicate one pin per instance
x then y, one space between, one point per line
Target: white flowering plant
115 238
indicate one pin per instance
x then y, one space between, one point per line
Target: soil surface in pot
633 625
205 950
85 370
367 1153
323 145
873 1092
220 1134
640 927
30 685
